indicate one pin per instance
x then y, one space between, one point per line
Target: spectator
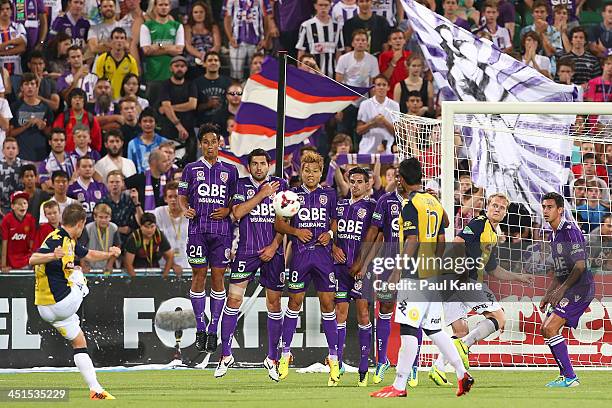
450 12
565 71
356 68
572 6
113 159
414 104
161 38
202 35
245 29
29 180
103 107
414 82
130 129
500 36
60 181
30 122
344 10
289 17
601 36
550 37
78 77
374 122
140 148
126 208
5 119
600 245
9 172
116 63
587 65
99 39
76 114
130 86
57 53
376 26
18 228
85 189
169 149
233 97
560 20
100 235
531 43
179 100
388 10
322 38
392 63
592 212
472 203
131 22
150 183
52 213
13 41
256 62
507 15
307 63
174 226
73 22
146 246
58 159
579 192
600 89
47 91
82 140
211 89
34 19
589 169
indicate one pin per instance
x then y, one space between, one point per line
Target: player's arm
505 275
368 250
96 256
45 254
282 226
337 252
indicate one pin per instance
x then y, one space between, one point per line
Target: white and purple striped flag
519 157
311 101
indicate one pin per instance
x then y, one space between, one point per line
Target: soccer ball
286 204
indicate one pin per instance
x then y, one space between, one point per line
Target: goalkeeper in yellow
422 226
61 287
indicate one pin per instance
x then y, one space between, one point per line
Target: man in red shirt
18 229
392 62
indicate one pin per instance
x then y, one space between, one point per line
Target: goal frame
451 108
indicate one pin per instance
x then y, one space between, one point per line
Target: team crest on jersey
301 198
577 298
340 211
564 302
394 209
323 199
223 177
559 248
361 213
332 277
81 197
227 253
200 176
98 194
250 193
358 285
68 31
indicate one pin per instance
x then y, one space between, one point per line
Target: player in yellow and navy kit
478 240
422 230
60 288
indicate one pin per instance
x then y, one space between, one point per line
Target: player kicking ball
259 248
311 244
572 288
205 193
60 288
354 218
422 224
477 241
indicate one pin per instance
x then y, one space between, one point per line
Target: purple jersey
88 196
247 19
317 210
568 247
76 29
207 188
386 215
27 12
354 220
257 227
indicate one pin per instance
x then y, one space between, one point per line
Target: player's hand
183 134
190 213
360 274
324 238
267 253
115 251
58 253
303 235
527 279
338 254
556 296
220 213
355 269
269 188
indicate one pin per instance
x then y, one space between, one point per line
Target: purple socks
198 303
228 326
383 330
289 325
365 341
217 300
341 339
275 328
558 347
330 328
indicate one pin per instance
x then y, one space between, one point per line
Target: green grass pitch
252 388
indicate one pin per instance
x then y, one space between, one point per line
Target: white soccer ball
286 204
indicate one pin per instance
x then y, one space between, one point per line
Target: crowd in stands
98 97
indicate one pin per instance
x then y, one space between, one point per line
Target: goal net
524 150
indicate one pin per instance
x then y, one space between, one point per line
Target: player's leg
219 253
344 283
197 258
290 320
273 279
365 339
558 347
383 331
494 320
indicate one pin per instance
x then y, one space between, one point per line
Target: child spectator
29 180
174 226
85 189
146 246
82 141
18 229
579 192
9 175
101 234
51 210
592 212
140 148
59 180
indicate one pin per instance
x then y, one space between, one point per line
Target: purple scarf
149 196
353 158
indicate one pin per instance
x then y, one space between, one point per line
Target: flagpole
280 111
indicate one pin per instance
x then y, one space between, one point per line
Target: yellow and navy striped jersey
480 240
52 284
422 215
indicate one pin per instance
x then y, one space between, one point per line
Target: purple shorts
208 249
574 303
372 284
312 265
347 287
271 273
